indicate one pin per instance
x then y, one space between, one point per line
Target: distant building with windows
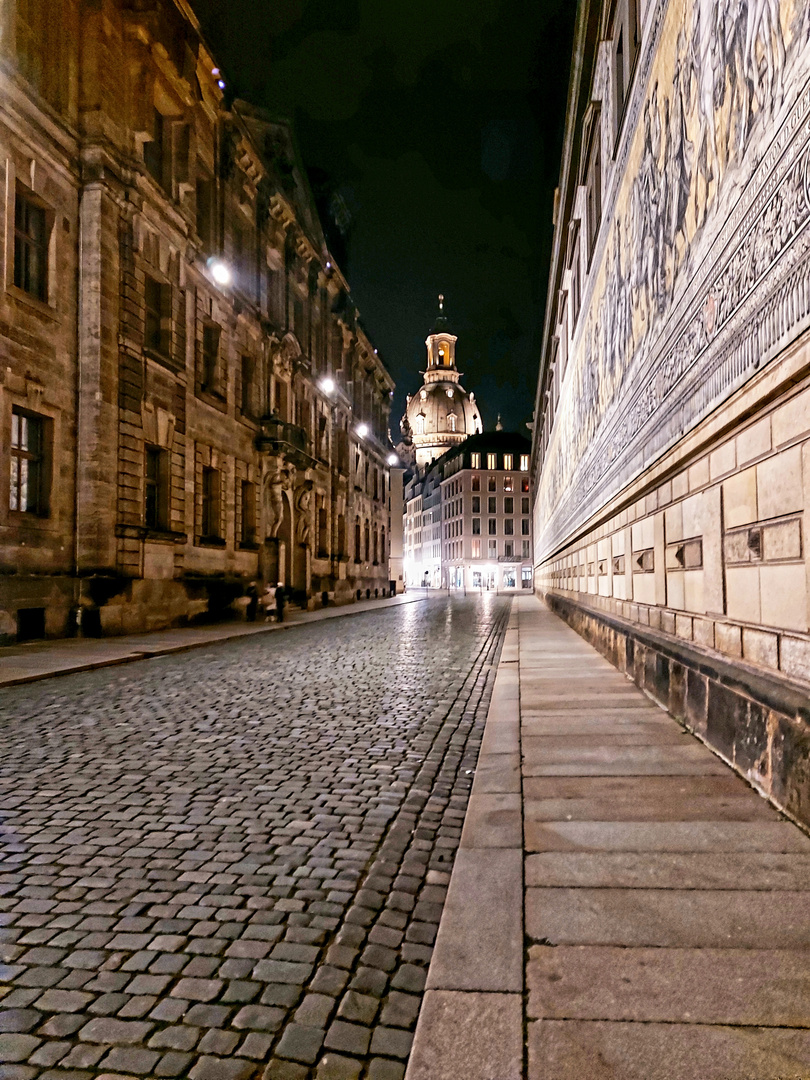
468 517
188 401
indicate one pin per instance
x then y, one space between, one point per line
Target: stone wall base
758 722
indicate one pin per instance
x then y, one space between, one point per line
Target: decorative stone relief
701 272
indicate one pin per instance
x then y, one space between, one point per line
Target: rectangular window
526 550
508 460
524 462
205 211
154 149
593 181
524 505
509 505
524 483
248 507
157 324
475 461
476 526
156 488
508 484
508 550
210 357
476 549
492 461
476 504
31 236
210 523
524 527
28 492
476 483
248 369
492 526
492 549
526 575
509 527
492 505
492 483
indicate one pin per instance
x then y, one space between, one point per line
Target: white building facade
468 518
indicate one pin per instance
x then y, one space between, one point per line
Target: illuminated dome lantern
441 414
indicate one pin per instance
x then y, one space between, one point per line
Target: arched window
357 539
419 425
368 541
383 552
451 421
376 546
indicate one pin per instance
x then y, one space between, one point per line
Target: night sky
438 125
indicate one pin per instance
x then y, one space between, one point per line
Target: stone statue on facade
303 499
275 484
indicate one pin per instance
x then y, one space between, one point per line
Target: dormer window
451 421
573 266
419 424
625 32
592 172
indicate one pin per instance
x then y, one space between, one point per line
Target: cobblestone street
231 863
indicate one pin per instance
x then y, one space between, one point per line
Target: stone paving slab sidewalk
44 659
622 905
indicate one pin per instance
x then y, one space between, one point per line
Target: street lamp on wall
220 271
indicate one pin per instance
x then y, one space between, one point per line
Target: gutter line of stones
472 1019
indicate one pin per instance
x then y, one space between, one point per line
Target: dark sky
439 123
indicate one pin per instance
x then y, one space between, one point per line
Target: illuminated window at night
475 461
524 462
419 426
508 461
492 461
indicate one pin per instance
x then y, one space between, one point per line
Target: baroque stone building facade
188 401
672 436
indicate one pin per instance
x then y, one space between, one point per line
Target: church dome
442 413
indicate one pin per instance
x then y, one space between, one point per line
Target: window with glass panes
31 235
157 299
210 523
156 488
210 357
248 507
27 490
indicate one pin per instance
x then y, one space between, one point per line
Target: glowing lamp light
215 71
327 385
362 430
328 266
221 84
220 271
393 459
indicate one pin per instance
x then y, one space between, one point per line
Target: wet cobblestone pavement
231 864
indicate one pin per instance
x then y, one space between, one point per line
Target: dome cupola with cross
441 414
